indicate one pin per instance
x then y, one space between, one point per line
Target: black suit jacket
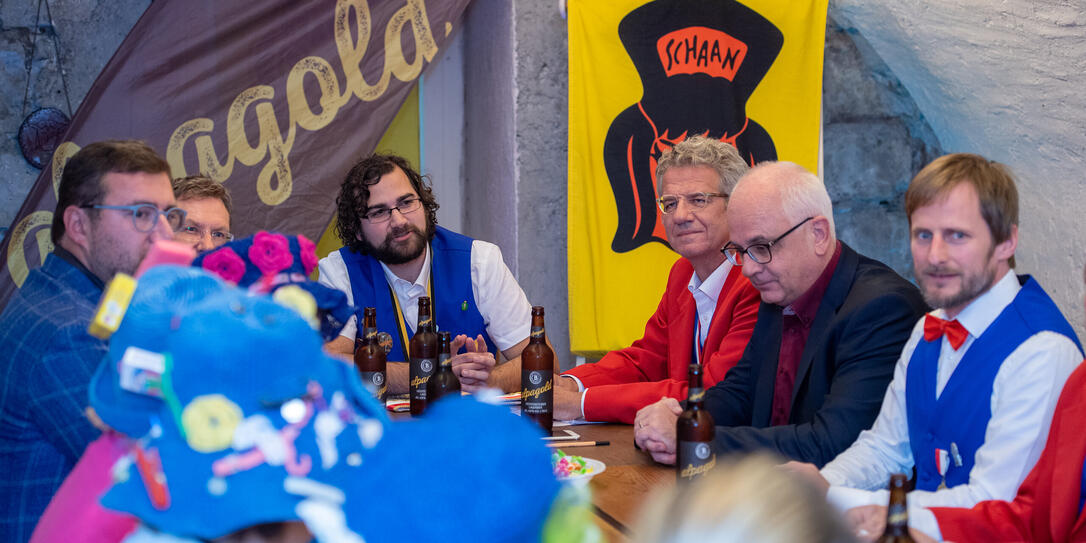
863 321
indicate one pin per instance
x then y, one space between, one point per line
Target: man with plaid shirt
109 202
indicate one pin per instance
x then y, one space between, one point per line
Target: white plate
595 467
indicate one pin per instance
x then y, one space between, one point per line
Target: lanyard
401 319
699 343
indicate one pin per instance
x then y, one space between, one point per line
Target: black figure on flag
699 62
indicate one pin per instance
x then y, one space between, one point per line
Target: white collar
982 312
711 285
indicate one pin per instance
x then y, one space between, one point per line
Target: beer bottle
423 356
897 514
537 375
443 381
694 432
369 356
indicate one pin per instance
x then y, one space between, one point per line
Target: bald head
783 206
797 192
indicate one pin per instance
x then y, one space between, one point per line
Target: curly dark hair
354 195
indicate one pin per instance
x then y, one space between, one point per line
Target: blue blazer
860 328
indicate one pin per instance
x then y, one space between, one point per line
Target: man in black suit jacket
830 328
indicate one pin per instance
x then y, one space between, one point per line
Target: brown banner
276 99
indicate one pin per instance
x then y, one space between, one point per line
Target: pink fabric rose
270 253
225 263
309 254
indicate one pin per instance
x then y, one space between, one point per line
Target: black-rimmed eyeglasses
145 216
383 214
760 253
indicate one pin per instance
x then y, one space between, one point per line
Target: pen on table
578 444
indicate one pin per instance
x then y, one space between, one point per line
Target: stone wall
50 54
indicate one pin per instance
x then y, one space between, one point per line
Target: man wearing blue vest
974 390
394 253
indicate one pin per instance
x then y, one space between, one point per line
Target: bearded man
394 253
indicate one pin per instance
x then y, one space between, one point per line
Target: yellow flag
644 76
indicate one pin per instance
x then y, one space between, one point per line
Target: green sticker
464 305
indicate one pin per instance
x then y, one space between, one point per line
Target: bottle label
369 333
696 395
443 359
537 392
421 369
897 515
695 459
537 332
374 381
426 321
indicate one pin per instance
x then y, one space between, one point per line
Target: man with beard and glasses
394 253
114 200
975 387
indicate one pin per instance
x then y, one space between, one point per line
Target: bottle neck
538 333
426 322
695 392
897 514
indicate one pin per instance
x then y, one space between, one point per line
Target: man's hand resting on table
654 429
472 367
567 399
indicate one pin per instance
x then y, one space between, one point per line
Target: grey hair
701 151
802 193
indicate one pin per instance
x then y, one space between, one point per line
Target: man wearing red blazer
708 310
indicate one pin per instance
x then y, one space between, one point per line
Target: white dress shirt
502 303
1024 395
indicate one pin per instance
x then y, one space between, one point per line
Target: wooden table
631 476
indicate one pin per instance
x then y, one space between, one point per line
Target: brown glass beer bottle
897 514
423 356
694 432
443 381
537 375
369 356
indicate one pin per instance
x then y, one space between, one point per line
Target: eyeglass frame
132 209
226 236
681 197
732 249
387 211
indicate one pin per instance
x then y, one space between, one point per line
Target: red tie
934 328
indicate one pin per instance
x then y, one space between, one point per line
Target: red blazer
656 365
1047 505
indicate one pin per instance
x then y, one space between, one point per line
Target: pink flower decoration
226 264
309 254
270 253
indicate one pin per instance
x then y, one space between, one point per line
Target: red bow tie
934 328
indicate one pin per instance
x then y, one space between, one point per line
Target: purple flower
226 264
309 254
270 253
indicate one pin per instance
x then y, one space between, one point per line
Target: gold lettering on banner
60 158
17 265
275 181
